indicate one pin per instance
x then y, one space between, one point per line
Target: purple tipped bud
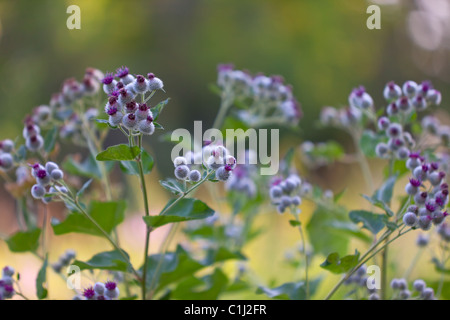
129 121
182 172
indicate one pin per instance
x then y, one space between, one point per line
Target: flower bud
146 126
223 174
6 161
140 85
410 89
57 174
129 121
154 83
195 176
37 191
410 219
50 166
7 146
182 172
392 91
34 143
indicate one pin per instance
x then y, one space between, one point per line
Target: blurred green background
323 48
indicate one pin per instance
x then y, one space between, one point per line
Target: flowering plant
412 146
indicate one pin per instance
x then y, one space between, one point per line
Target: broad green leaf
42 292
385 192
290 290
184 210
88 168
323 234
121 152
399 169
107 214
110 260
50 139
24 241
338 265
132 168
177 265
368 143
156 110
380 204
208 287
371 221
106 123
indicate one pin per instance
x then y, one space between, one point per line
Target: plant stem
365 169
225 105
105 234
305 255
413 264
172 233
147 213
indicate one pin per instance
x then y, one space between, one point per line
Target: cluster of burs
62 109
100 291
287 193
400 287
271 95
122 108
214 158
48 181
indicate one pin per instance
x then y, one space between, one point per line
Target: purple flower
108 79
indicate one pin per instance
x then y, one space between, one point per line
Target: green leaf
132 168
380 204
328 151
371 221
106 123
295 223
440 268
338 265
368 143
179 264
184 210
110 260
107 214
220 255
88 168
121 152
208 287
385 192
290 290
173 186
42 292
50 139
323 231
399 169
83 188
24 241
156 110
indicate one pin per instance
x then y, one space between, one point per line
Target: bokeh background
323 48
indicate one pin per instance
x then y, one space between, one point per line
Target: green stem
224 107
170 236
413 264
105 234
147 213
305 255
